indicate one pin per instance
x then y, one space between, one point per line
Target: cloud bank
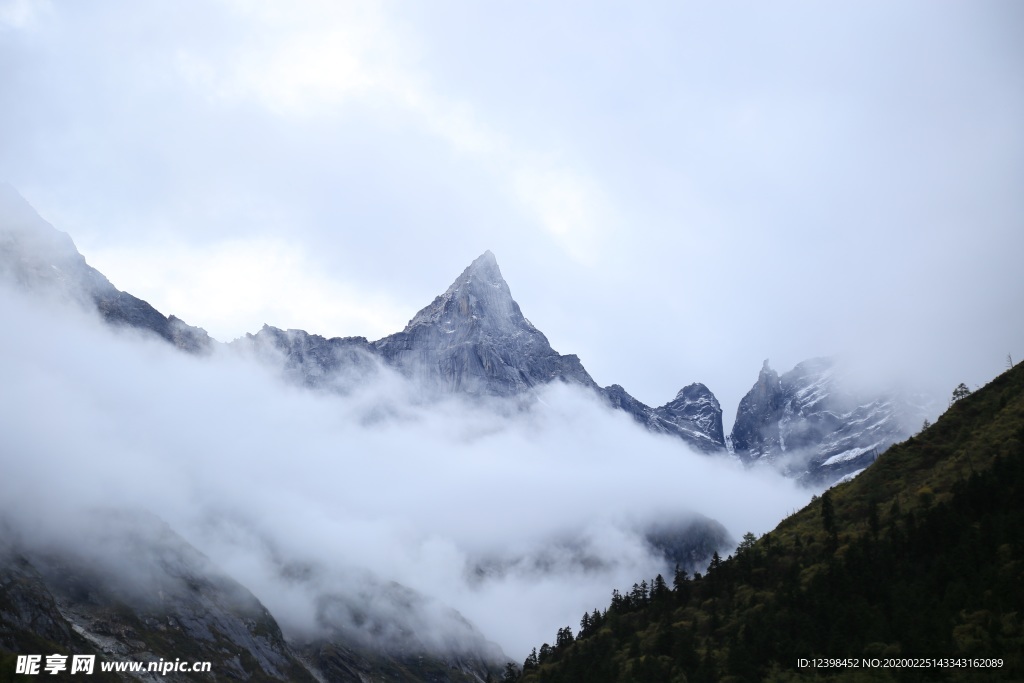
268 479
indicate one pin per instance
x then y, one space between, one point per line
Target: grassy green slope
922 555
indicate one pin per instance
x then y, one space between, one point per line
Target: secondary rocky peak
765 396
766 391
755 432
694 393
696 410
814 424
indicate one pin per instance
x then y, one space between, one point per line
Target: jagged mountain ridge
474 339
808 423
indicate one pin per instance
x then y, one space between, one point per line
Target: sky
674 191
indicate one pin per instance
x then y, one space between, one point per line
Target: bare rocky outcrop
815 423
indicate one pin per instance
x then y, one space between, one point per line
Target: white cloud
299 58
22 14
570 207
327 57
254 473
241 284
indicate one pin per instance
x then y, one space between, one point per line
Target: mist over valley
536 503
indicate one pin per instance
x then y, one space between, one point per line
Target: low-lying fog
259 474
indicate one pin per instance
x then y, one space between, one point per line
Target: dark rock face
337 363
694 415
811 424
696 411
28 612
618 397
157 597
689 543
37 257
139 592
755 432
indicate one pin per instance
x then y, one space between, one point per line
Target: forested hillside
921 556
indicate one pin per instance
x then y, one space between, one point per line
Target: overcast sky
673 191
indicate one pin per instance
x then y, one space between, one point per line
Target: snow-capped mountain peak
479 298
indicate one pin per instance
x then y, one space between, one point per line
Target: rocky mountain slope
36 256
813 426
138 592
